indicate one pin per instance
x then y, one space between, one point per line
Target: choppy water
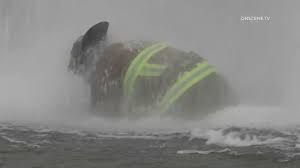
43 109
35 145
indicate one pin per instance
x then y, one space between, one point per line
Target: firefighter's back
142 78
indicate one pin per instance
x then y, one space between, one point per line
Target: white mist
258 59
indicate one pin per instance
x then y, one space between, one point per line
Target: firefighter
145 78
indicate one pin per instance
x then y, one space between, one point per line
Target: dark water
38 146
35 39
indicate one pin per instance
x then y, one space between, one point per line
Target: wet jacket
141 78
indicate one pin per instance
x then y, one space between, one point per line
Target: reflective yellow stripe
186 81
152 70
137 65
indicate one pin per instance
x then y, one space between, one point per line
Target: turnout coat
140 78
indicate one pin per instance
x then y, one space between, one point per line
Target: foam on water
235 138
37 90
203 152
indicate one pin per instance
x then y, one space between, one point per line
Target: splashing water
258 59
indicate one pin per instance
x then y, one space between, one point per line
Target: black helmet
79 57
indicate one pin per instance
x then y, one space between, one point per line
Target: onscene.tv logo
255 18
